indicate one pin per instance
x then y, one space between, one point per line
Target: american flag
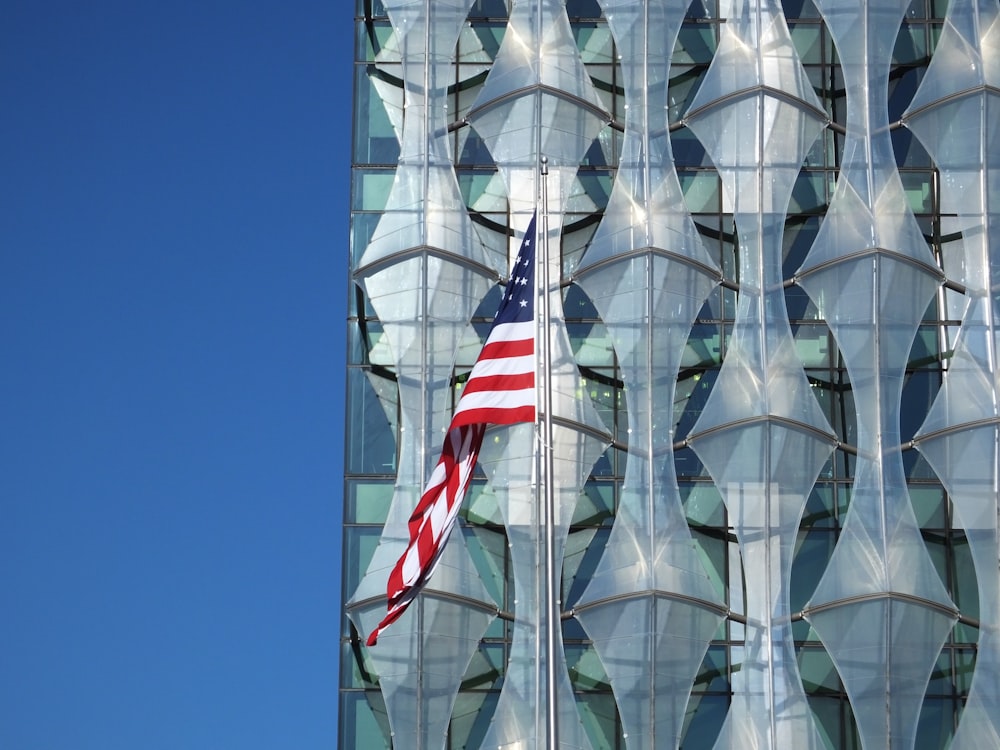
500 390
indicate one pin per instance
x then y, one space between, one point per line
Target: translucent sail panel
509 458
537 99
650 607
419 60
953 114
651 644
761 436
424 304
422 658
873 313
425 209
743 126
765 470
646 208
425 206
869 207
960 133
427 32
872 276
961 441
865 35
880 649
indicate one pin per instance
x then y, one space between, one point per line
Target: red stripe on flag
502 349
500 383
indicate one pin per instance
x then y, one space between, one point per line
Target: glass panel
363 721
367 501
371 188
704 719
375 140
371 436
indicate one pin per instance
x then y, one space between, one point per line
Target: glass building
773 362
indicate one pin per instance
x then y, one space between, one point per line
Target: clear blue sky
174 185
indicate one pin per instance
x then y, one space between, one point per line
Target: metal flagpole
552 607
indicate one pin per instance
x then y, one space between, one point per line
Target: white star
524 303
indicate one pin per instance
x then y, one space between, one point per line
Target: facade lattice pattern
774 365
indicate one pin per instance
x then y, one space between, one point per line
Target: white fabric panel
960 436
872 276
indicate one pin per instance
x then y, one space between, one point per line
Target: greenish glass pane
592 188
689 400
595 43
599 715
809 193
584 548
367 500
941 682
375 139
586 671
812 343
575 240
917 186
703 347
488 550
359 548
703 504
371 438
827 713
820 510
486 668
592 346
480 505
356 670
711 550
936 724
362 228
369 345
580 9
695 44
713 675
808 41
819 675
911 43
605 398
926 348
936 544
701 191
965 667
800 9
371 188
688 150
372 38
481 189
357 346
363 721
488 9
813 549
703 721
596 505
964 588
470 719
481 41
929 505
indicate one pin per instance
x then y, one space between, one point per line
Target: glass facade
773 364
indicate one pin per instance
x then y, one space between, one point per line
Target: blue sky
173 233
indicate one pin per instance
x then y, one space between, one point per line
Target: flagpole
552 589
